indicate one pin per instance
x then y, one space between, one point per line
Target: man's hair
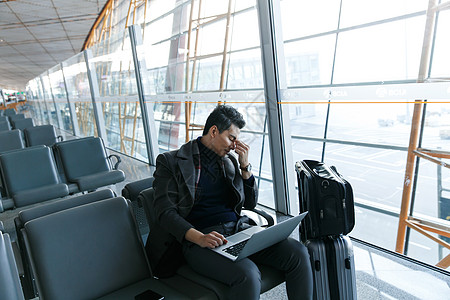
223 116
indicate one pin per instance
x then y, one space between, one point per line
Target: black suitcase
333 266
329 199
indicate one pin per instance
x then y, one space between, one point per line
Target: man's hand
210 240
243 150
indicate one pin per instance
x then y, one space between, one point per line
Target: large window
114 68
347 85
351 88
199 57
79 92
60 97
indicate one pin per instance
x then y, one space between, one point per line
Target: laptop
249 241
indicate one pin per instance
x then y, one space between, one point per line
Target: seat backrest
49 208
4 125
43 210
28 168
87 251
40 135
9 275
11 140
4 118
9 112
22 123
81 157
15 117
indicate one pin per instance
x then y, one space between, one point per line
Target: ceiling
35 35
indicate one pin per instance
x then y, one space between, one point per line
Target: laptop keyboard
236 248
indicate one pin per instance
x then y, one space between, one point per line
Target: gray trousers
243 277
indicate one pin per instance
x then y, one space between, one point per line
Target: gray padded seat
43 210
15 117
22 123
11 140
85 162
4 126
270 277
9 112
91 251
41 135
4 119
10 287
30 176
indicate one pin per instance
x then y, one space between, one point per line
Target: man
200 190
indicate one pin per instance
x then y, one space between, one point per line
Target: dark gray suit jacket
175 178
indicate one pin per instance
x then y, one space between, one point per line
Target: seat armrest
132 190
263 214
116 166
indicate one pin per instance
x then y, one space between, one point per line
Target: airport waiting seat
22 123
4 118
9 112
4 126
43 210
92 251
131 192
10 287
269 277
11 140
85 162
41 135
15 117
30 176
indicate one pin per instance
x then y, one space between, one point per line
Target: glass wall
198 57
118 96
350 73
349 67
45 115
58 89
78 89
33 101
48 98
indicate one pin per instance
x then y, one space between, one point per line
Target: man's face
224 142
